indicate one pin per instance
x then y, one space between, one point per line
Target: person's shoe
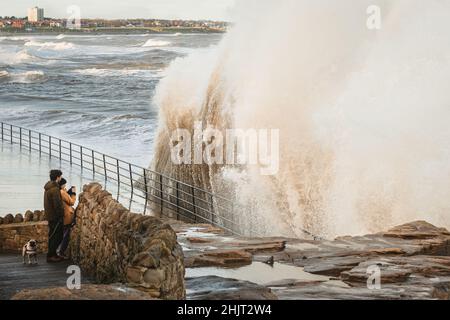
54 259
63 257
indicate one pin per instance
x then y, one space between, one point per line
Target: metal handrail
186 204
188 201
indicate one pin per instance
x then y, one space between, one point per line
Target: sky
113 9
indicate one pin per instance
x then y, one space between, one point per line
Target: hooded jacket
53 205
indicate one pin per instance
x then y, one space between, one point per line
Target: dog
30 250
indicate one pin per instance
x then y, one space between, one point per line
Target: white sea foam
156 43
110 72
60 36
27 77
57 46
13 58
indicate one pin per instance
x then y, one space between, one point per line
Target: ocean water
94 90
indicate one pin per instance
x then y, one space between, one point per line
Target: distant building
18 24
35 14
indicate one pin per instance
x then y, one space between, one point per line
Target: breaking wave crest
363 114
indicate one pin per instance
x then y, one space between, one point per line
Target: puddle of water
258 272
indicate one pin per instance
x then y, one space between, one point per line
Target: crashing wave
363 114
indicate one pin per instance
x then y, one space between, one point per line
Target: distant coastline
168 30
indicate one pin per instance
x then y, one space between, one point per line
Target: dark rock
18 218
199 240
28 216
270 261
8 219
42 216
219 258
416 230
217 288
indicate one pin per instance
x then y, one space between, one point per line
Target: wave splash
366 144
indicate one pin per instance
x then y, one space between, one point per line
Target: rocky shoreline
413 260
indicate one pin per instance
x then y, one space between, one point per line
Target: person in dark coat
54 211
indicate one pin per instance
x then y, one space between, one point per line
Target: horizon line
112 19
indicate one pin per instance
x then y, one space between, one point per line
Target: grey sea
94 90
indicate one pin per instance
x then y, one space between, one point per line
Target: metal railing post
212 208
70 153
131 178
60 155
93 163
20 137
29 139
193 204
118 172
40 144
50 146
146 191
2 131
81 157
104 167
161 192
11 129
178 199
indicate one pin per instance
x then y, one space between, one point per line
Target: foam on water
89 88
155 43
57 46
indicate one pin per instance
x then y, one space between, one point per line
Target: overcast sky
110 9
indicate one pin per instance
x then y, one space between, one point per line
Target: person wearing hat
68 198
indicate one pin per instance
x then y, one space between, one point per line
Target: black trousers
55 236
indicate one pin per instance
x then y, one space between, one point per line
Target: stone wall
114 245
17 230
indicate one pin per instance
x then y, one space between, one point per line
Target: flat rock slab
219 258
87 292
217 288
401 269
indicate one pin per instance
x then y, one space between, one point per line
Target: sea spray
363 114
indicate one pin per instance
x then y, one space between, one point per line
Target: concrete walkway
15 276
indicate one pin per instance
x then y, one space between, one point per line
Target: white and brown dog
30 250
